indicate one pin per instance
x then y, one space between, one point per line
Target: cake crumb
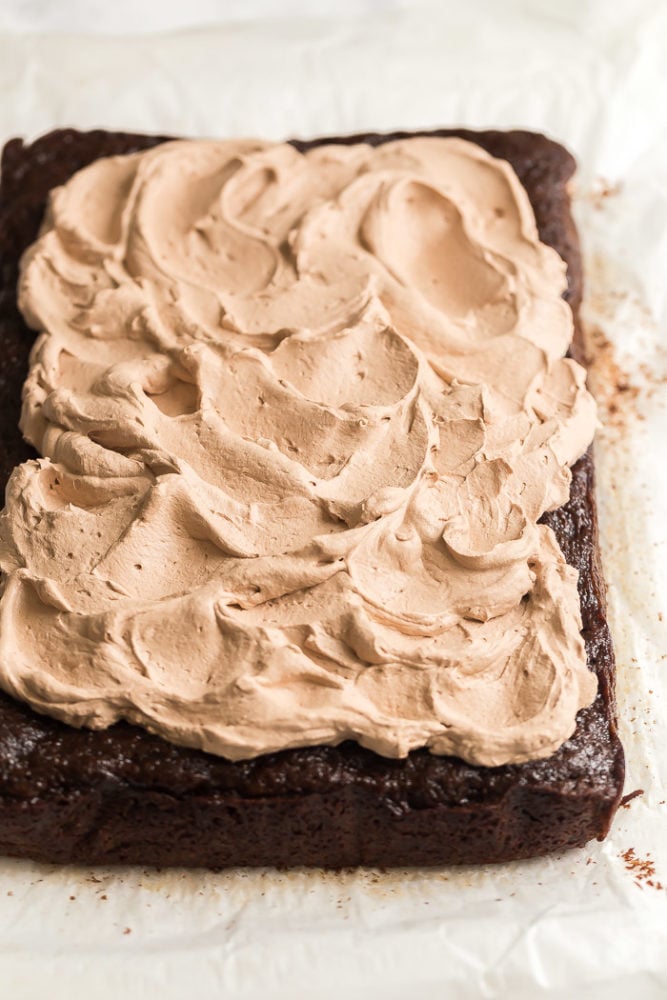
627 799
128 930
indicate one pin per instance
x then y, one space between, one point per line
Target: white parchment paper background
594 76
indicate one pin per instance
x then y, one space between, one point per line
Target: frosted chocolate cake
304 521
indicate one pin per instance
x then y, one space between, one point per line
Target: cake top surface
300 415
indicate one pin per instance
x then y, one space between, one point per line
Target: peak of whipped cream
299 416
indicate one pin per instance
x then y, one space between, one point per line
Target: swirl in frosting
300 415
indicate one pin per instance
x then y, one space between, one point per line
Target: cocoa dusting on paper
641 869
612 386
602 190
621 397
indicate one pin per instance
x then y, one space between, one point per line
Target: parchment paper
592 923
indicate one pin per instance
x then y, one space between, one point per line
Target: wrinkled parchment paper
592 923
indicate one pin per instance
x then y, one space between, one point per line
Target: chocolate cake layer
122 795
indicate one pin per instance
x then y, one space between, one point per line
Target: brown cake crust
125 796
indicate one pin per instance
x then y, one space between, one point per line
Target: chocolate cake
121 795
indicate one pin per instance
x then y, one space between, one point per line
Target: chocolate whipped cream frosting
299 416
